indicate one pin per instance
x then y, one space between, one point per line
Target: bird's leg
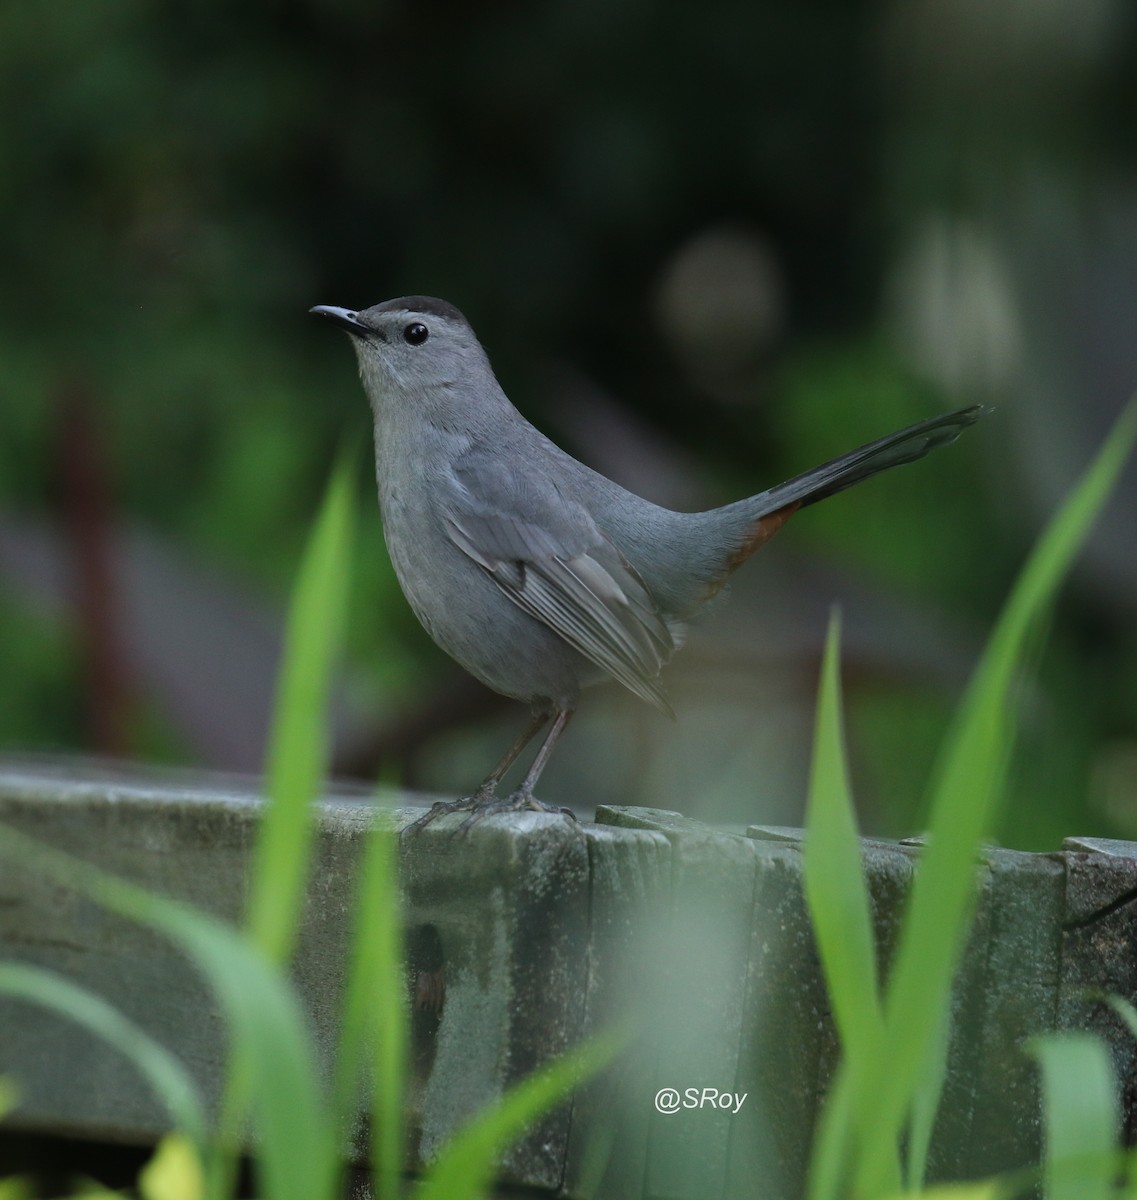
523 798
487 791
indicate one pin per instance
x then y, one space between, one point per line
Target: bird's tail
842 472
750 523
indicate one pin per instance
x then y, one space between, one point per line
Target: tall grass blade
1128 1015
296 763
988 1189
298 744
965 792
375 1031
9 1096
463 1171
263 1016
1080 1110
382 947
168 1079
174 1172
1125 1011
834 1140
925 1105
839 906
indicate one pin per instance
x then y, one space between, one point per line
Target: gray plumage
537 574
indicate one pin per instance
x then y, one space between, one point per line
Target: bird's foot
520 801
483 803
485 795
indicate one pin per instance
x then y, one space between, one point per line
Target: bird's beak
344 317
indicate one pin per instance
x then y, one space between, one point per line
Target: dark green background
938 197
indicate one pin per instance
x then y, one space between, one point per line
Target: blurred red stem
87 523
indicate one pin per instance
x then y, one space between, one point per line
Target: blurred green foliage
182 181
43 687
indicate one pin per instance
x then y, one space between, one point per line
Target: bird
540 576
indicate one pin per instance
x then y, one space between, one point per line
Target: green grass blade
463 1170
268 1030
1128 1015
9 1096
17 1187
375 1028
925 1105
1081 1113
964 798
295 1147
1124 1010
298 744
988 1189
835 886
833 1140
296 763
839 907
174 1172
381 944
168 1079
273 1062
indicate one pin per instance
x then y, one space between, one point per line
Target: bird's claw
519 801
441 808
484 803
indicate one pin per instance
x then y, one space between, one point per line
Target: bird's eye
415 333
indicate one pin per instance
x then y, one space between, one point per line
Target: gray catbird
538 575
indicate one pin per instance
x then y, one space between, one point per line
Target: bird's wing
555 564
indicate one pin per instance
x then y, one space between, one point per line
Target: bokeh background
706 246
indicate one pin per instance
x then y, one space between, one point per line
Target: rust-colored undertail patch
760 533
